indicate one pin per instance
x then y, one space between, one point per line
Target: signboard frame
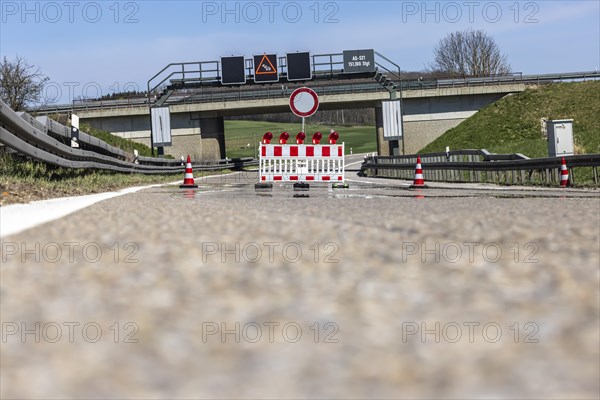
287 62
223 82
392 119
271 59
160 118
359 57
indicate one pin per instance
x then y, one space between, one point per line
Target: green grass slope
512 125
116 141
238 134
23 180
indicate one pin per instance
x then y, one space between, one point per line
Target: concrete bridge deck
198 127
430 108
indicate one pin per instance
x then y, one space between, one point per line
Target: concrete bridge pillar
382 146
212 132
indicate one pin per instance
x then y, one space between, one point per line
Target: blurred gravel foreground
371 292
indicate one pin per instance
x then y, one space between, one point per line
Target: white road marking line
376 183
16 218
357 162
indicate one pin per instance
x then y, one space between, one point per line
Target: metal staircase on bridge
386 82
163 97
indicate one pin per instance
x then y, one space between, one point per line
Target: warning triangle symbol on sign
265 67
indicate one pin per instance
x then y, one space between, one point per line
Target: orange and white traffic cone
418 182
564 174
188 178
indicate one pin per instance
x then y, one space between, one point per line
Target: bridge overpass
198 102
199 127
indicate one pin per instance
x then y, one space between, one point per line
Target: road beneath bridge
377 291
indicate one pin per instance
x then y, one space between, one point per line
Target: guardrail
42 139
480 166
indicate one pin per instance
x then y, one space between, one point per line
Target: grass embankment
116 141
242 137
512 124
23 180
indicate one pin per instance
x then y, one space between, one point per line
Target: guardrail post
471 174
572 176
375 170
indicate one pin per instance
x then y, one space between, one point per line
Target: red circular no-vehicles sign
304 102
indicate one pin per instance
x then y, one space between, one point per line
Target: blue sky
106 45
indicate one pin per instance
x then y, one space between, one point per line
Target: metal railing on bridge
225 94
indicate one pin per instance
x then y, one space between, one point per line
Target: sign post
304 103
74 130
160 128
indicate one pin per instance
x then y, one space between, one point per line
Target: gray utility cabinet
560 137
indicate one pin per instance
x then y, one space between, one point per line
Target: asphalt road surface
376 291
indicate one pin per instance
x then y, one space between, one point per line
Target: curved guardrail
40 139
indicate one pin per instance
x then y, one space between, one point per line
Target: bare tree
21 84
469 53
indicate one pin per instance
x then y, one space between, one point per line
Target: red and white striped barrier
301 163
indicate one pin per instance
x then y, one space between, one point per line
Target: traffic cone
188 178
564 174
418 182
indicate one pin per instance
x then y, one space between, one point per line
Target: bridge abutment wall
201 138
